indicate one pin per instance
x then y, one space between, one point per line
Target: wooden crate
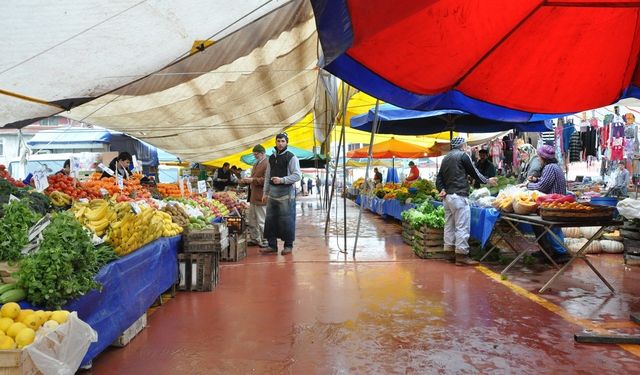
17 362
199 272
237 249
131 332
431 249
407 233
206 246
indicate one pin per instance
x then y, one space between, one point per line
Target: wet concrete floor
319 311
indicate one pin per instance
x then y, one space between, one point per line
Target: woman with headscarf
551 181
531 167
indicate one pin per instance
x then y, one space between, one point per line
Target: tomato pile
4 173
67 185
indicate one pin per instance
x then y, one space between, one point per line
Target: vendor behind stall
120 165
66 168
551 181
484 166
531 165
619 181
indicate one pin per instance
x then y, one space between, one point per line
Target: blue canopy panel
68 137
396 120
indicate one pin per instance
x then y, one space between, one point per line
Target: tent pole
374 128
344 174
335 171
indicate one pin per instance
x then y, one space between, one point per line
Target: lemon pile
18 327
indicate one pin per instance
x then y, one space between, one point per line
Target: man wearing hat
283 171
257 207
453 183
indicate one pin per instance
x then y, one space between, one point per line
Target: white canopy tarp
59 54
233 95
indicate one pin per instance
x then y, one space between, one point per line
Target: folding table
512 220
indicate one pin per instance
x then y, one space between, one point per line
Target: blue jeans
280 221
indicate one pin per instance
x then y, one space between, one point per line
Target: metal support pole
335 171
374 129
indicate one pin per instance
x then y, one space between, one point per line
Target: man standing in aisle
453 184
283 171
257 208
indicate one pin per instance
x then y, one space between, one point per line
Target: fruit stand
115 249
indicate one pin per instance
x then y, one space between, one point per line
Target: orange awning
392 148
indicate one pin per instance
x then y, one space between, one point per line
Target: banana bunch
60 199
131 231
169 228
95 215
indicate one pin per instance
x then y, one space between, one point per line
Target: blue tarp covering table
482 222
130 285
482 219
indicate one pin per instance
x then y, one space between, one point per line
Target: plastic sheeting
395 120
236 93
482 219
130 285
90 47
484 57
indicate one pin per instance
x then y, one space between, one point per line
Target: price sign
134 160
83 200
181 183
106 169
13 198
120 182
41 181
136 209
189 186
202 186
209 194
104 192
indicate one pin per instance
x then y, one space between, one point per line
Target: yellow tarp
301 134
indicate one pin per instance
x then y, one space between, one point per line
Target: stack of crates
199 264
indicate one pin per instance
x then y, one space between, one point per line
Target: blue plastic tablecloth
130 285
482 219
482 222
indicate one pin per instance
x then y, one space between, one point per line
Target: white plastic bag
629 208
60 352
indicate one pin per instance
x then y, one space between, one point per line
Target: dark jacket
486 168
455 168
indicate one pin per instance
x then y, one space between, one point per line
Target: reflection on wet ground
319 311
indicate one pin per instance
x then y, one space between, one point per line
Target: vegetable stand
130 286
514 220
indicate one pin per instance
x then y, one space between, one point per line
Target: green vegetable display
63 267
104 255
17 218
424 214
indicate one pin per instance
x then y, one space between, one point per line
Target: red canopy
529 55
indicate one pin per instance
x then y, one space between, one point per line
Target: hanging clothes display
567 130
603 133
495 151
575 147
617 139
630 136
548 138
